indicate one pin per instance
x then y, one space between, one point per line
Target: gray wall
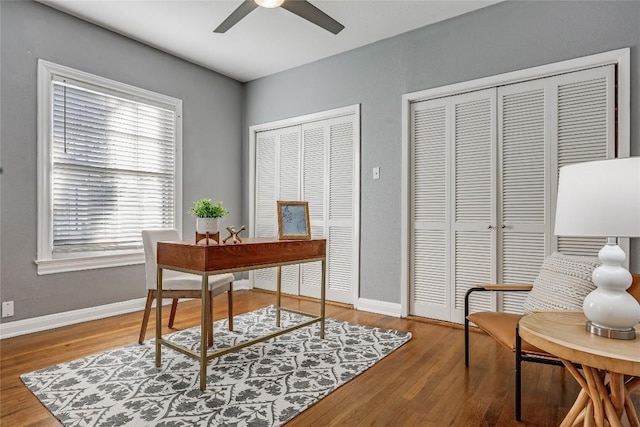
501 38
212 111
217 113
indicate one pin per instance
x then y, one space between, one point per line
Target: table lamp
602 199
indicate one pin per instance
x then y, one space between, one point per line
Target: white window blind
111 157
113 169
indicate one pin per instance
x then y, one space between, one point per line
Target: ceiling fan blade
243 10
306 10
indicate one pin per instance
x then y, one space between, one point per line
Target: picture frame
293 220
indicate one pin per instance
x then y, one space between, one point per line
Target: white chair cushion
562 284
173 281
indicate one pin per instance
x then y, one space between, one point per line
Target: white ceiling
266 41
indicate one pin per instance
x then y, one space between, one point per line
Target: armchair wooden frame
510 338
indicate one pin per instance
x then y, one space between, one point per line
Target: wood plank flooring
424 383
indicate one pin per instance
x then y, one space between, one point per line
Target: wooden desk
251 253
605 387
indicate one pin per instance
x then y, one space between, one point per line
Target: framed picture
293 220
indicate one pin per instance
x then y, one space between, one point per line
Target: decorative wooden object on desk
610 367
252 253
233 234
206 236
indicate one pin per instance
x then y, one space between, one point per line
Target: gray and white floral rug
265 384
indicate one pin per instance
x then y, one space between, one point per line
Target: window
109 166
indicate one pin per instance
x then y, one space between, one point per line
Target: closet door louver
572 115
429 278
522 138
586 132
314 145
340 225
289 189
277 178
473 189
266 223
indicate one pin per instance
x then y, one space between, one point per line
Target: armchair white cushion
562 284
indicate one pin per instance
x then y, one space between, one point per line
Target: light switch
376 173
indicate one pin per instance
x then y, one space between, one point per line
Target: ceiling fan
302 8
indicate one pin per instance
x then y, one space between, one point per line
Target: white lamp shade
600 199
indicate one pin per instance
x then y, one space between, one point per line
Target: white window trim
45 261
621 58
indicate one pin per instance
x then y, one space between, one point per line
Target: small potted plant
207 214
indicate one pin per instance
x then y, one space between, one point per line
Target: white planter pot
204 225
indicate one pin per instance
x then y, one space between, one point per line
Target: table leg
323 293
616 384
632 415
598 410
611 416
278 294
588 418
576 410
579 422
158 316
598 403
204 331
632 384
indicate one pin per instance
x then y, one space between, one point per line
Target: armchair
562 284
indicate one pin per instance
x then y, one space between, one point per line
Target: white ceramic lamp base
612 312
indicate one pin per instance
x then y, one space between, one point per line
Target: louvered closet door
314 146
566 119
585 132
266 194
523 124
472 204
342 262
289 189
429 277
277 178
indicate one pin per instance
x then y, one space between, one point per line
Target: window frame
47 262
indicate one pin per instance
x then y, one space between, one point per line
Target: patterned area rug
266 384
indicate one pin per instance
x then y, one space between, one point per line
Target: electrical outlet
376 173
7 309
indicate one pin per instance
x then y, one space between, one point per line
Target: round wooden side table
610 367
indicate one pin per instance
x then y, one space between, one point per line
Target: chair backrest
150 239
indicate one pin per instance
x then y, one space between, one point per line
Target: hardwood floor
423 383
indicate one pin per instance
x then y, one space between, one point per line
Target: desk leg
204 331
158 316
322 297
278 294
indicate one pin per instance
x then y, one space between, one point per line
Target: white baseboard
51 321
380 307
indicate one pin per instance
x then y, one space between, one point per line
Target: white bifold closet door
543 125
313 161
453 200
278 174
484 179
